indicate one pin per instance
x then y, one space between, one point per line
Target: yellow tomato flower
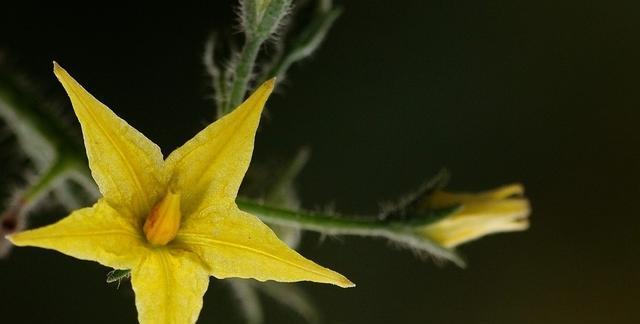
500 210
173 222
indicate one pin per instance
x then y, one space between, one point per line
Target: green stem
270 19
218 76
305 44
243 71
315 221
393 230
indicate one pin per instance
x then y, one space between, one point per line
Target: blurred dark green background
540 92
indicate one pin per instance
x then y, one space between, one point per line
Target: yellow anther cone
163 222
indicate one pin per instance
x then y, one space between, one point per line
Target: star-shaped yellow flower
173 221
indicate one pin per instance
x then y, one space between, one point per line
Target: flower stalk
306 42
398 231
259 27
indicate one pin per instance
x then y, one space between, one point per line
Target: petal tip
56 67
348 284
59 71
19 238
270 84
517 188
11 238
343 282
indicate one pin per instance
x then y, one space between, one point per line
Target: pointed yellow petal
236 244
210 167
96 233
443 199
125 164
169 285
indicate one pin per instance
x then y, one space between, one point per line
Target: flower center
163 221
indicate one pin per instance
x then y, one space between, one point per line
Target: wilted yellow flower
500 210
173 222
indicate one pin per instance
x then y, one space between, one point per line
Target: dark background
541 92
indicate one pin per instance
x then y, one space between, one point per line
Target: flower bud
500 210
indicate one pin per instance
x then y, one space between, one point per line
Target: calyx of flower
163 222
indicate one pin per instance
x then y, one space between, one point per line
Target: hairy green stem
244 69
218 76
256 33
305 43
397 231
315 221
